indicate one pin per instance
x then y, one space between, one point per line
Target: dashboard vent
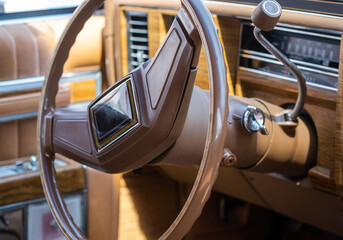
137 38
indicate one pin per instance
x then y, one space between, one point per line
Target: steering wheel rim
214 145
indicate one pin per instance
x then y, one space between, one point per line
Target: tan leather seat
8 56
25 51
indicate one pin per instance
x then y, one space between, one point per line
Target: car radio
314 51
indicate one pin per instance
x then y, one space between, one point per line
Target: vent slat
139 23
140 31
139 47
137 38
135 55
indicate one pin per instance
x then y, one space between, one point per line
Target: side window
2 9
20 6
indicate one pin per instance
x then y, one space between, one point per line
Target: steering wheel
139 117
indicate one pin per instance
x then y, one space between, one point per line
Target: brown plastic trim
213 151
161 90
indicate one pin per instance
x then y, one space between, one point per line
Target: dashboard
310 34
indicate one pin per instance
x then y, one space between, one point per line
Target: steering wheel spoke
65 124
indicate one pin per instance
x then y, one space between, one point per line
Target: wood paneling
154 22
339 128
148 205
82 91
27 186
158 24
156 31
123 45
321 96
108 42
229 30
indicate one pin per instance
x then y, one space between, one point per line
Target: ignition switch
253 120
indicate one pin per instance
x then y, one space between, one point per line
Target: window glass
14 6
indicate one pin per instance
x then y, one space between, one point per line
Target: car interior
171 119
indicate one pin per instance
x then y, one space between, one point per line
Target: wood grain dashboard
27 186
325 107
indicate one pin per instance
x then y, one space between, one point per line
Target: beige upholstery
45 40
87 50
8 56
25 51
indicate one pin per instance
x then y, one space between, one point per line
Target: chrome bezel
120 133
272 14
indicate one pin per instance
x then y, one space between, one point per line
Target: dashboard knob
19 167
266 15
33 163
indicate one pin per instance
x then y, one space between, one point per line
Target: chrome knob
19 167
33 163
253 120
266 15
